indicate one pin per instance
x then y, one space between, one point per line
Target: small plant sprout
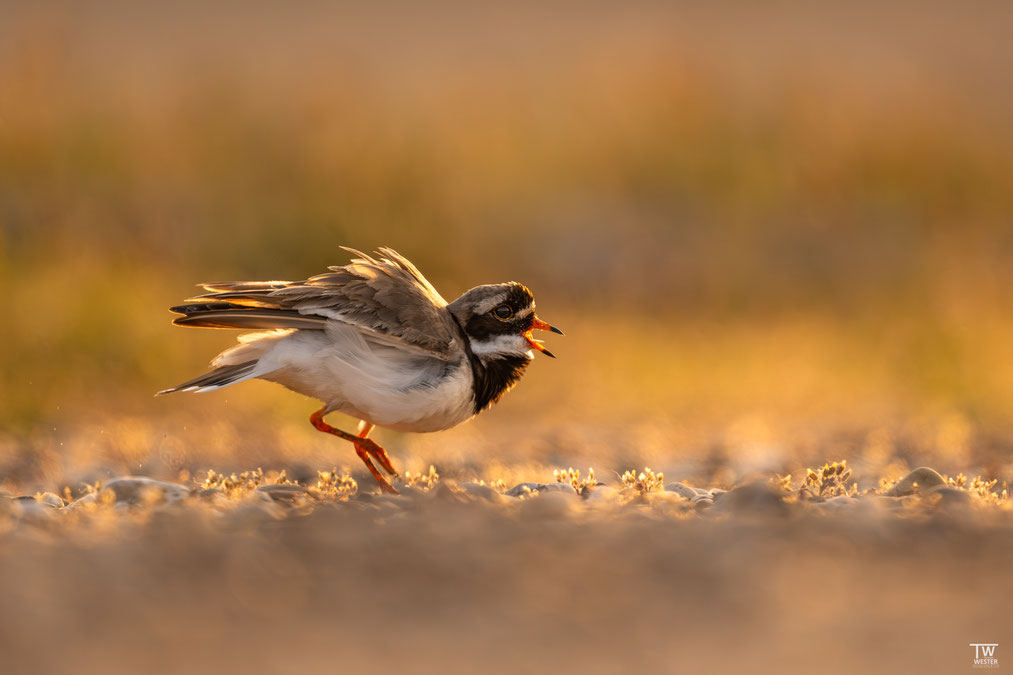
333 485
235 486
422 481
573 478
90 488
781 483
830 481
985 490
232 485
644 482
885 485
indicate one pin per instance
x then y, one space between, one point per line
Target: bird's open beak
537 344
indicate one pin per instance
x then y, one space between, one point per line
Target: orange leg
374 449
363 448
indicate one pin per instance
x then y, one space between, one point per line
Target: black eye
503 312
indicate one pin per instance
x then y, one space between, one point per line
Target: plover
374 340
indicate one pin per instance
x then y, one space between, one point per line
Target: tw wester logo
984 655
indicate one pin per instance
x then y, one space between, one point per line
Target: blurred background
773 232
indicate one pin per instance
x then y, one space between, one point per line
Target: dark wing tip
201 307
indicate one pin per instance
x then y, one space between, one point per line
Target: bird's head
499 319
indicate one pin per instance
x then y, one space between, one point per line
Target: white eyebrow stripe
487 306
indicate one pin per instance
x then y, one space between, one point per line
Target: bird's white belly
379 383
418 409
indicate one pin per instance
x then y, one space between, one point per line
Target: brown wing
386 296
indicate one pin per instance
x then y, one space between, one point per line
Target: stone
286 494
50 499
519 489
29 510
923 476
552 504
701 502
754 498
682 490
446 492
138 489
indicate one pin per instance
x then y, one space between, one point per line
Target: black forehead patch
519 297
485 326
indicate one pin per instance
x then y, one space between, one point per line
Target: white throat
501 345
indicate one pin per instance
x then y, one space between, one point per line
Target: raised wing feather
386 296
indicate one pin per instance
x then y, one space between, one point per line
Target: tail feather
216 378
248 286
226 315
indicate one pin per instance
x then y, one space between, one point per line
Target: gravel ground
248 573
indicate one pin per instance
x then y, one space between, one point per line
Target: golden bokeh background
777 234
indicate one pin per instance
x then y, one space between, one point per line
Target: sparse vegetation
423 481
643 482
333 485
819 484
573 477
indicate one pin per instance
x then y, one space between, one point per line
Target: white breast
373 381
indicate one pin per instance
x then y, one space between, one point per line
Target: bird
372 339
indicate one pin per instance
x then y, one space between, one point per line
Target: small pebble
925 477
409 493
547 505
285 493
519 489
138 489
50 499
29 510
682 490
754 498
447 492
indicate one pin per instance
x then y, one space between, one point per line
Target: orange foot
364 448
